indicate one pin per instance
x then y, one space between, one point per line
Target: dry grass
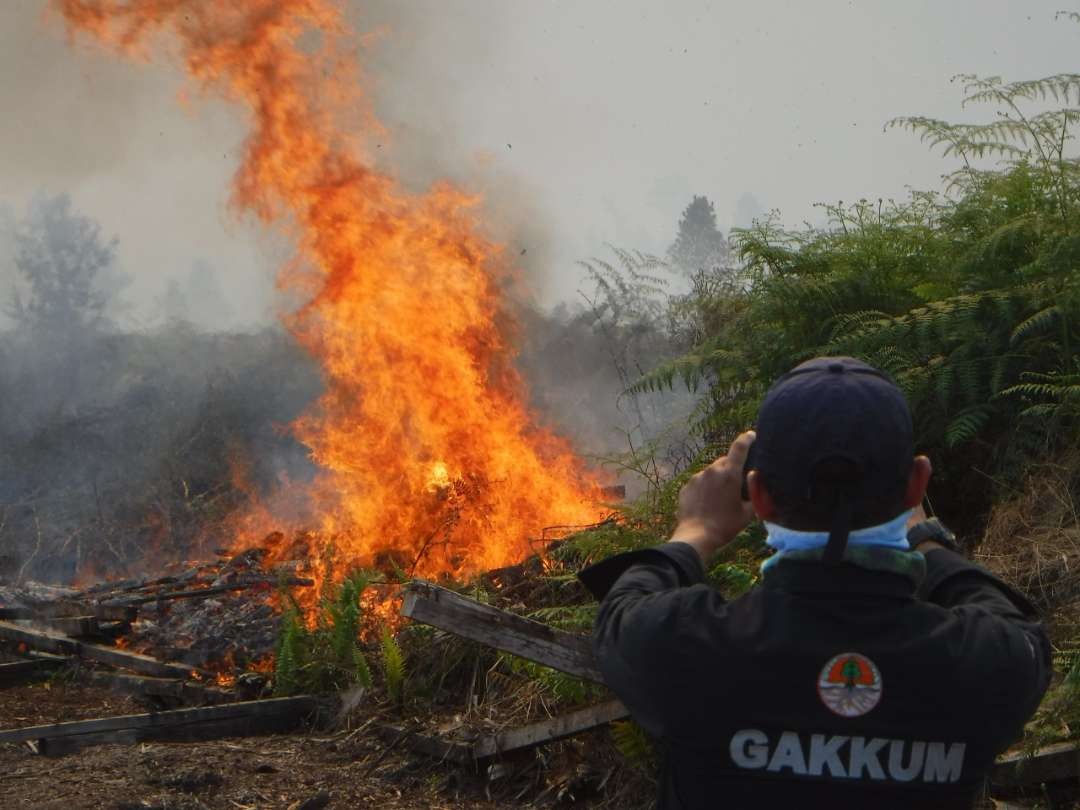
1032 541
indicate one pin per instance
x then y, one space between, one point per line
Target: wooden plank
567 652
17 671
545 731
59 746
1055 763
199 593
125 613
172 689
177 723
63 645
193 732
529 736
429 745
76 626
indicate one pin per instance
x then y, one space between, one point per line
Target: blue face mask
890 535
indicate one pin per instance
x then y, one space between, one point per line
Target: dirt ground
344 769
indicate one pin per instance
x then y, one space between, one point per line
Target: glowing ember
426 449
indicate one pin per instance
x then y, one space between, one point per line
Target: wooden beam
429 745
169 689
59 746
528 736
212 722
66 609
63 645
567 652
1055 763
76 626
17 671
545 731
69 609
199 593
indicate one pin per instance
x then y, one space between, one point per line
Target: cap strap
838 532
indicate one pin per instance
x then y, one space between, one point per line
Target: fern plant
328 656
633 743
968 297
393 666
291 654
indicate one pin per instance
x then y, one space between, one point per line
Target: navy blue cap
834 408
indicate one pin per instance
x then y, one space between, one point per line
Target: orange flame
426 449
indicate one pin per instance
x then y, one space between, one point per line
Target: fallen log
537 642
1054 763
545 731
63 645
179 725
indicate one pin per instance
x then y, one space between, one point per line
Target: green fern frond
1040 321
633 743
967 424
1044 410
290 655
979 90
691 369
393 666
572 618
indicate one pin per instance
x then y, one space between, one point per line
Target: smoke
129 435
425 68
125 448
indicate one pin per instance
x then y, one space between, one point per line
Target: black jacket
889 680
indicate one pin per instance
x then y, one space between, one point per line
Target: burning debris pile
220 617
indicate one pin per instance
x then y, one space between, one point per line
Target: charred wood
18 671
180 725
429 745
64 645
199 593
1054 763
113 613
164 690
505 742
545 731
75 626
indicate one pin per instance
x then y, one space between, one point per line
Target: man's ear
917 481
764 506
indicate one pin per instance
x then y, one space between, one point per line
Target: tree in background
67 271
699 246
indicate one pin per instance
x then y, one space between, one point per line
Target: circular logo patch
850 684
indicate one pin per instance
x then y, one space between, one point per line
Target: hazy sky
583 122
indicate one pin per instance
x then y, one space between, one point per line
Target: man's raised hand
711 508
